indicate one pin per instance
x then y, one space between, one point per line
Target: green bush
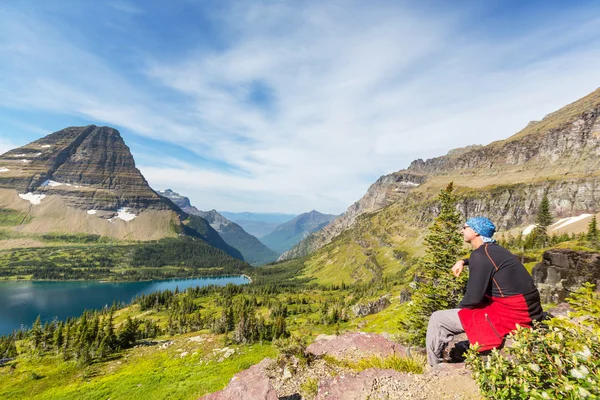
559 360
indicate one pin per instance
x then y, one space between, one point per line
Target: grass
310 388
414 364
10 217
145 373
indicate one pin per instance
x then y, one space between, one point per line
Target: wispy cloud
126 7
300 106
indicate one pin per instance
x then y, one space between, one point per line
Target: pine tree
437 288
36 332
539 236
592 233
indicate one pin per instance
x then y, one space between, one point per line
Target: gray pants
443 325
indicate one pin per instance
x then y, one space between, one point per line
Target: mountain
258 224
288 234
505 180
83 180
253 251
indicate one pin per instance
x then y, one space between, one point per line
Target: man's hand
457 269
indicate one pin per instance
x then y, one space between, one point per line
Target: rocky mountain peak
90 167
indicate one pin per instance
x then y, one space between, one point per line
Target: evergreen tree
36 333
437 288
58 337
592 233
539 236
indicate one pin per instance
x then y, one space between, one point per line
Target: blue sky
289 106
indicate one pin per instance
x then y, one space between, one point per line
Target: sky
289 106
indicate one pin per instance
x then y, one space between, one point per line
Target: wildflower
583 393
545 395
534 367
585 353
579 373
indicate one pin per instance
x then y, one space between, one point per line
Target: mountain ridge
251 248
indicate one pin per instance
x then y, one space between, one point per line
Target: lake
22 301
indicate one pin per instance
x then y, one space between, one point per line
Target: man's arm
480 275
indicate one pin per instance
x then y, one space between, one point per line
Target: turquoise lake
22 301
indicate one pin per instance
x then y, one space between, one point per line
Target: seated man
500 294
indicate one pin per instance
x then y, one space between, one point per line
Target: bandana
483 227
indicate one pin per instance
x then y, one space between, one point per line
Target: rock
355 345
252 383
165 345
229 353
563 271
287 374
373 307
561 310
185 353
355 386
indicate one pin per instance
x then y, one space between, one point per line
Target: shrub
559 360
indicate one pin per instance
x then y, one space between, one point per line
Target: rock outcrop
372 307
563 271
353 345
252 383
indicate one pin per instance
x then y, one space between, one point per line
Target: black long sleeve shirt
496 272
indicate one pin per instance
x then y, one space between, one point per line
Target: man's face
468 233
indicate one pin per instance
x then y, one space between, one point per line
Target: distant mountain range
258 224
290 233
253 251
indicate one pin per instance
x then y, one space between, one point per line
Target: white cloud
352 91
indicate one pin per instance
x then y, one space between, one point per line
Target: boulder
252 383
372 307
355 345
563 271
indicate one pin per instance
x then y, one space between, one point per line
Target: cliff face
90 168
505 180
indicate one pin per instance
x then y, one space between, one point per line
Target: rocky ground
322 377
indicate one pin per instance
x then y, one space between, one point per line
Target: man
500 295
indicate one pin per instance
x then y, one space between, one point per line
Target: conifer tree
36 332
437 288
592 233
539 236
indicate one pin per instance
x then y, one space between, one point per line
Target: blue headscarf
483 227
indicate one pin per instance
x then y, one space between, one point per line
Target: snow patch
569 221
32 198
19 155
51 183
4 169
529 229
124 214
37 154
92 212
407 183
46 146
25 161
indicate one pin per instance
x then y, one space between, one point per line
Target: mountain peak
90 167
